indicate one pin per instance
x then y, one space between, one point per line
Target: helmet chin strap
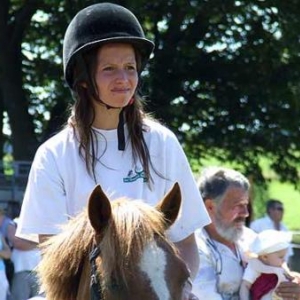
120 128
120 131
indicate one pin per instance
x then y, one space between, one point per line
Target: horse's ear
99 209
170 205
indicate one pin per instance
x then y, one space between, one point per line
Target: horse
116 250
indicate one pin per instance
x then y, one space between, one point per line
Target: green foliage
225 75
296 238
259 198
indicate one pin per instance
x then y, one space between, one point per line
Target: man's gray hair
214 182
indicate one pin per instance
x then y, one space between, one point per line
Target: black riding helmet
99 24
96 25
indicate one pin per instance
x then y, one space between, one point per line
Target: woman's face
116 74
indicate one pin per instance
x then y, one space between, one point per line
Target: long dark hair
83 116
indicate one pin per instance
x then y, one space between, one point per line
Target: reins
95 286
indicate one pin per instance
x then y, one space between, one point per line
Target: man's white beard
227 231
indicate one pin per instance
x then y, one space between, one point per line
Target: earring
131 101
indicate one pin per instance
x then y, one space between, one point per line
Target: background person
7 230
109 139
272 220
25 256
267 268
7 226
22 279
222 243
5 253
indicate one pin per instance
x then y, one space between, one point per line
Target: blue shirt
2 266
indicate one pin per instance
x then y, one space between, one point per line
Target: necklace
217 259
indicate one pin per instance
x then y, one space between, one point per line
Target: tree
224 77
31 89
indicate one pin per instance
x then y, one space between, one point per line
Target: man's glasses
280 208
217 258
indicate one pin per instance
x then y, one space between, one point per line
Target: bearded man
223 243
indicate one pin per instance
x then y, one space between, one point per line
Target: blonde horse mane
133 225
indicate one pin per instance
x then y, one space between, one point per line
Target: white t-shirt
59 185
265 223
221 271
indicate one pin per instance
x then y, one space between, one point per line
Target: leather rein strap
95 286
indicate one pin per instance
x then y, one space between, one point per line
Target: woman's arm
189 253
43 238
24 245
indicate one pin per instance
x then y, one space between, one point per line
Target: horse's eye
115 286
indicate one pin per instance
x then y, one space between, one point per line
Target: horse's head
129 252
136 260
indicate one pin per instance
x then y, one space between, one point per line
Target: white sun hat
269 241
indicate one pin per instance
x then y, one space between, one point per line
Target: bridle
95 286
96 291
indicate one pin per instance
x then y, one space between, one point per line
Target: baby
267 267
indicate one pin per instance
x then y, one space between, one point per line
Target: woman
5 253
109 140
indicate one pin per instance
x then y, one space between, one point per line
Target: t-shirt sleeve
193 214
44 206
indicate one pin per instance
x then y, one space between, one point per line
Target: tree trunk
2 138
13 96
15 103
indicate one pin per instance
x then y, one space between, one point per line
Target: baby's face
275 259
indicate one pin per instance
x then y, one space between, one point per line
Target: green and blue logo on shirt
134 175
